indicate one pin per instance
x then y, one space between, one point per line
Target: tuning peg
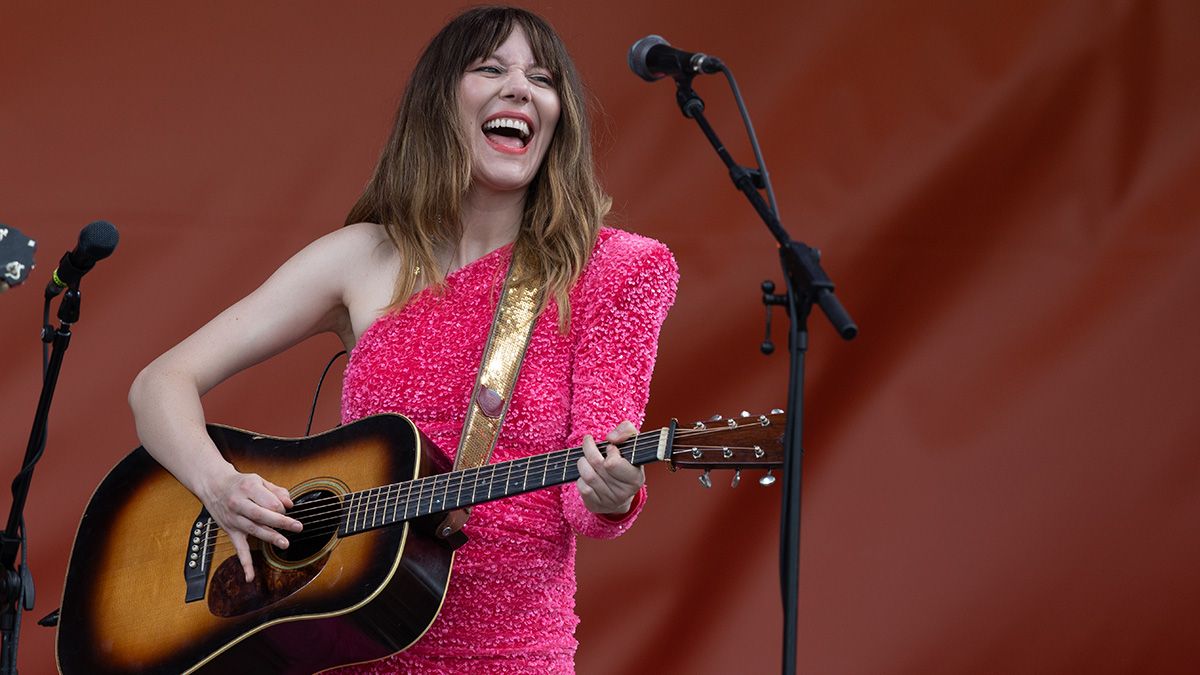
737 478
715 418
776 411
745 413
767 479
705 480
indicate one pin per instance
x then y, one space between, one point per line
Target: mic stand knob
769 298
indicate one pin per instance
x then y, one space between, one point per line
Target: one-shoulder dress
510 606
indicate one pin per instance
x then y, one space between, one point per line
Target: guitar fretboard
389 504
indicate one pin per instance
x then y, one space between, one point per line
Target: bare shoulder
360 242
369 264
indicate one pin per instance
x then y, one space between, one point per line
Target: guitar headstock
16 257
743 442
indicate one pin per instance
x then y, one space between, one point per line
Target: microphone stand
807 284
16 582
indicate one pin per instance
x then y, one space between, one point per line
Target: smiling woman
488 167
509 109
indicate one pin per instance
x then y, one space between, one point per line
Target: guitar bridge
198 557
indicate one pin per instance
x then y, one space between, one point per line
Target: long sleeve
624 297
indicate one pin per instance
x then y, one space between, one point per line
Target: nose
516 87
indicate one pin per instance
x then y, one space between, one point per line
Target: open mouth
507 133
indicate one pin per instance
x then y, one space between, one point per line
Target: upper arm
303 297
627 298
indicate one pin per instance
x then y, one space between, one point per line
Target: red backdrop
1002 471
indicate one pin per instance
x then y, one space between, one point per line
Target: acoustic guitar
154 586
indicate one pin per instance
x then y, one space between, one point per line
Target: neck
489 220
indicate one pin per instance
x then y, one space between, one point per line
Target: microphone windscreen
639 53
98 240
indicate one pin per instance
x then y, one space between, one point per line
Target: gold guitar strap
511 328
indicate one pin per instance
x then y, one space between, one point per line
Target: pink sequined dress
510 604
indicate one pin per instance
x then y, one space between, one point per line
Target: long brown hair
424 171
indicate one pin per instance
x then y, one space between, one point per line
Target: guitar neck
389 504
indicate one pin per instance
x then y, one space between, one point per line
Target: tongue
500 139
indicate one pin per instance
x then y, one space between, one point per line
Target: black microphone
653 57
97 241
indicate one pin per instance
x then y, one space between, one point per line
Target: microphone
97 241
653 57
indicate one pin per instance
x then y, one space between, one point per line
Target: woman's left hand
608 483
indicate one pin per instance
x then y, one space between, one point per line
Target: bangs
492 26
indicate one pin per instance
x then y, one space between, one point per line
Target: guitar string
320 527
622 447
485 474
404 494
418 488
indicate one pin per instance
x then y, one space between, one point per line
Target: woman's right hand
245 505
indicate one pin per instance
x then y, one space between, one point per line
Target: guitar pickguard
231 595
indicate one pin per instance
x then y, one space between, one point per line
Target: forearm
170 424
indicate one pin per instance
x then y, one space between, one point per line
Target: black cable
28 468
316 395
762 165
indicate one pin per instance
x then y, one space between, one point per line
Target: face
508 107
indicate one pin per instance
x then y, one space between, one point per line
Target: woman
489 159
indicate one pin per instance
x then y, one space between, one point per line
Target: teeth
510 123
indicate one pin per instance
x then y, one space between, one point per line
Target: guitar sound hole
319 511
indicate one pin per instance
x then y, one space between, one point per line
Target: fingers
592 484
249 506
263 503
276 504
243 553
280 493
624 431
607 482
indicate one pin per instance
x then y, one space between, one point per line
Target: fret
351 512
507 485
377 509
525 480
512 480
424 497
406 489
545 463
458 495
372 507
419 484
360 514
364 510
438 495
389 505
487 481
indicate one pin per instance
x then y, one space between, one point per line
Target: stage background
1002 472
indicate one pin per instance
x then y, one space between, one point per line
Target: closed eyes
541 79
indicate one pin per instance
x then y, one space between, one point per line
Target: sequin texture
510 604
